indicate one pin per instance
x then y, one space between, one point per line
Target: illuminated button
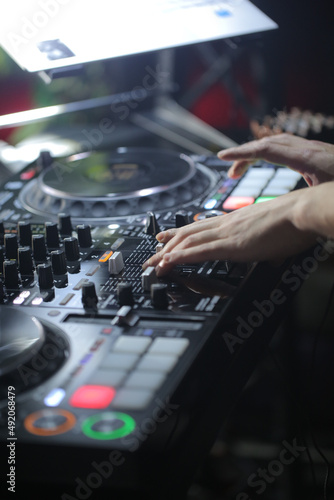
235 202
110 377
49 422
131 344
260 173
163 345
92 396
132 399
210 204
287 173
275 191
145 380
264 198
106 256
54 397
158 363
247 191
119 360
108 425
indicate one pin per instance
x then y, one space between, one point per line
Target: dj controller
112 379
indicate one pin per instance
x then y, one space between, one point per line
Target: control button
106 256
124 294
265 173
132 399
264 198
246 191
65 224
111 377
159 297
130 343
51 235
24 233
274 191
45 159
151 225
72 248
181 218
145 380
162 345
11 246
148 278
84 235
89 296
11 274
115 263
116 360
39 247
49 422
235 202
58 262
108 425
92 396
45 276
157 362
26 266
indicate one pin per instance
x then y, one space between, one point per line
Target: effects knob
24 233
124 294
151 226
26 265
72 248
58 262
89 296
11 274
159 297
45 276
65 224
11 246
51 235
84 235
181 218
39 247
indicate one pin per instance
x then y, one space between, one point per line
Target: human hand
313 159
263 231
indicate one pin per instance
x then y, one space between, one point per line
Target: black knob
45 276
89 297
2 233
2 258
11 274
124 294
26 266
181 218
72 248
159 297
151 226
39 247
84 235
24 233
11 246
51 235
45 159
65 224
2 292
58 261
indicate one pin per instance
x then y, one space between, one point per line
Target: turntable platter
104 185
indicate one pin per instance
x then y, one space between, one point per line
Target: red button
235 202
92 396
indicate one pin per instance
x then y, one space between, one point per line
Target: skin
272 230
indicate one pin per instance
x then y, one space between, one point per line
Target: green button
113 425
264 198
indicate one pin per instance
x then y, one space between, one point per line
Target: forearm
314 210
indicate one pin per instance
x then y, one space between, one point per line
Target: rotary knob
26 266
58 262
45 159
159 297
151 226
51 235
38 247
84 235
181 218
11 246
45 276
65 224
11 274
24 233
72 248
124 294
89 296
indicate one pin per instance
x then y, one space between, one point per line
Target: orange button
92 396
234 202
106 256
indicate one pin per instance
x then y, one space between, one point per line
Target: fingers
238 168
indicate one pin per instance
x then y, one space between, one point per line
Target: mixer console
112 370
